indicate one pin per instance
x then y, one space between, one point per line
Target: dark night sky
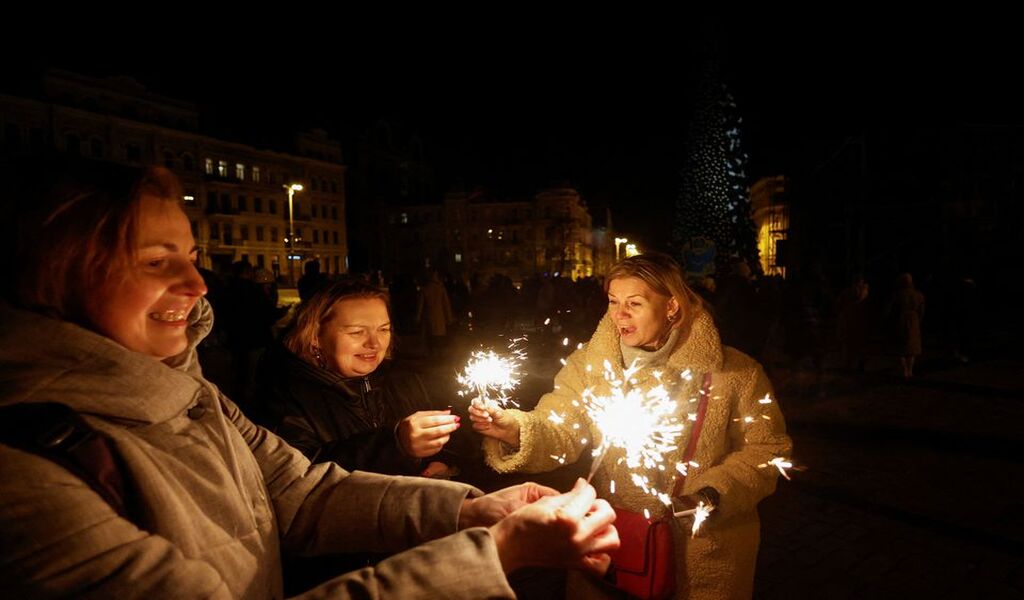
603 112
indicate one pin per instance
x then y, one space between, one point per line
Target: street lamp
617 242
631 250
291 188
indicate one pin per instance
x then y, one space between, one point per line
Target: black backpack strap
56 432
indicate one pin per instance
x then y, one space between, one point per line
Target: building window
211 201
225 202
313 184
243 203
255 174
259 233
316 236
214 231
187 163
257 204
243 232
239 171
189 199
458 257
169 160
209 166
222 168
273 234
334 187
335 238
229 234
272 205
403 218
334 213
261 261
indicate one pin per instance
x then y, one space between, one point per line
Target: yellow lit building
234 194
771 218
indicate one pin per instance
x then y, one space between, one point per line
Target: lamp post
631 250
618 241
291 188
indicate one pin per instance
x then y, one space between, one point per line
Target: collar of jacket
700 351
43 359
353 386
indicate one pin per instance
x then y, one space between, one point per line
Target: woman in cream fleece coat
654 319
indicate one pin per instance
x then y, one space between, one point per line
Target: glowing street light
631 250
291 188
618 241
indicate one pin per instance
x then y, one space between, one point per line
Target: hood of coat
43 359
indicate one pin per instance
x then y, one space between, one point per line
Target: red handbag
644 564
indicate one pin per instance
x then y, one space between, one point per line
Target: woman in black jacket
328 391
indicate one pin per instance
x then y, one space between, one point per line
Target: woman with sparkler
328 390
656 334
125 473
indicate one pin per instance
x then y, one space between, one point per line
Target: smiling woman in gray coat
101 313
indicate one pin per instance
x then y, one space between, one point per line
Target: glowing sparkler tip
701 514
779 463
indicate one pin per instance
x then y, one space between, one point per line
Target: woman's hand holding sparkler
572 530
492 421
425 432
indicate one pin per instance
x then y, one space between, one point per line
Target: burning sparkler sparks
700 514
489 373
779 463
644 424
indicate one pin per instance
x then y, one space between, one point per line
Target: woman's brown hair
71 227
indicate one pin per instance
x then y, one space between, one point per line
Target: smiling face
145 306
640 314
355 337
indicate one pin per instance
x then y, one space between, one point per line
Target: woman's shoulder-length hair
71 225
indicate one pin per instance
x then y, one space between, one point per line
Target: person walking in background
907 309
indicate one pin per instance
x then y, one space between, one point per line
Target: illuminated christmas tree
713 208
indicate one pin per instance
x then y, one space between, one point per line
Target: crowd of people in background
804 321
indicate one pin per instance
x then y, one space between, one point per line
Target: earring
319 357
672 317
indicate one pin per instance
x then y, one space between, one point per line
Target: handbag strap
698 424
57 432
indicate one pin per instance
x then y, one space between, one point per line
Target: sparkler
488 372
642 423
700 513
779 463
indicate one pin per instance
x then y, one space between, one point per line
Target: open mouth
626 330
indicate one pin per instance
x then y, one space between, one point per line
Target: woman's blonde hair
662 274
313 313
